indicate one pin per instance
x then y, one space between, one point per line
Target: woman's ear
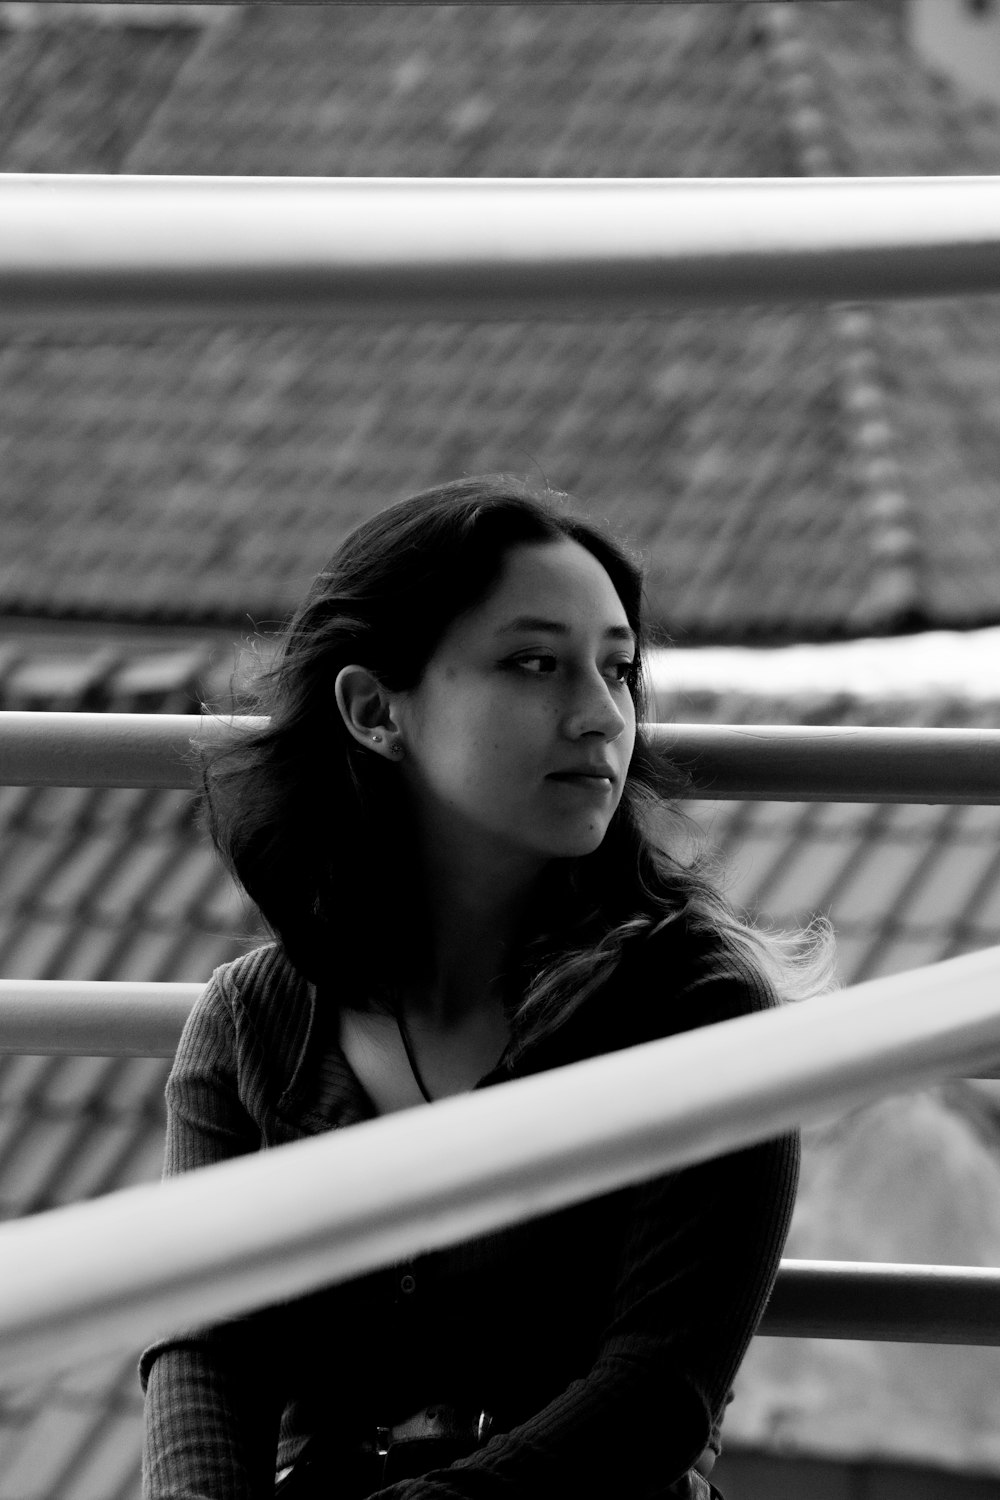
365 709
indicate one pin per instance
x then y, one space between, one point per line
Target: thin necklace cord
408 1046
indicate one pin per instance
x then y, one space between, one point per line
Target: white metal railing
123 247
143 4
112 1018
820 763
93 1017
904 1304
197 1247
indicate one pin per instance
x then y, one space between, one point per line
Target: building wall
960 39
743 1475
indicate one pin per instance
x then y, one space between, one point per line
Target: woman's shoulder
255 972
687 973
263 993
251 1023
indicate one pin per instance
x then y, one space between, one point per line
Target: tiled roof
95 884
907 884
115 884
789 472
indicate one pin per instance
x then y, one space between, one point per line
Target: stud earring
377 739
396 748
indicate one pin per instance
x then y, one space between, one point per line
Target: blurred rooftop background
814 492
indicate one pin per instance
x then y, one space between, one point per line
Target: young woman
466 852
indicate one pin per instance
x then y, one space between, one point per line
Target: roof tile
106 1470
48 1449
723 438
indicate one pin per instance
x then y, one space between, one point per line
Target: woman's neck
474 925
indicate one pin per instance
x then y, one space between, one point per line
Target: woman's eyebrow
556 627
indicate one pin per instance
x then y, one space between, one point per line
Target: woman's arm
212 1398
698 1261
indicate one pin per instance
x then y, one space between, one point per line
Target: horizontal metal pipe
197 1247
482 248
93 1018
119 1018
143 3
125 750
835 763
811 763
902 1304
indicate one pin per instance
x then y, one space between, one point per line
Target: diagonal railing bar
200 248
809 763
197 1248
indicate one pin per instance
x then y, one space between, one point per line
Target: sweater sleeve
212 1404
697 1264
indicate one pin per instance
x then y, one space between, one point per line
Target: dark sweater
604 1337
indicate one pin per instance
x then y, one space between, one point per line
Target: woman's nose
595 711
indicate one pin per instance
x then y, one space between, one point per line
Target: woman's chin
571 845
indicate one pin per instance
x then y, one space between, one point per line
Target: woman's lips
595 785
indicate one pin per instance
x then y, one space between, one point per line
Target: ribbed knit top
605 1337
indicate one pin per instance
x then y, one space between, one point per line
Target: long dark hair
314 827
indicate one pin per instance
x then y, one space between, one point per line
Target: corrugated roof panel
75 1083
31 1158
137 865
121 805
921 822
140 954
32 947
43 678
55 807
167 809
21 1077
877 880
32 1467
160 671
895 950
109 1469
746 864
948 884
145 1161
759 439
113 1375
222 906
12 800
986 915
195 954
804 877
86 952
178 892
82 872
854 944
136 1083
92 1167
23 862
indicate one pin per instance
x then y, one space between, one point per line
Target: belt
441 1422
431 1438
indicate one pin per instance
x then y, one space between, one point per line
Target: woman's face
519 736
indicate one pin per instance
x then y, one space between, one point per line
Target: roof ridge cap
893 596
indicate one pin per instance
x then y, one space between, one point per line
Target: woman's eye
536 665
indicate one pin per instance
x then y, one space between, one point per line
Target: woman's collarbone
450 1059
